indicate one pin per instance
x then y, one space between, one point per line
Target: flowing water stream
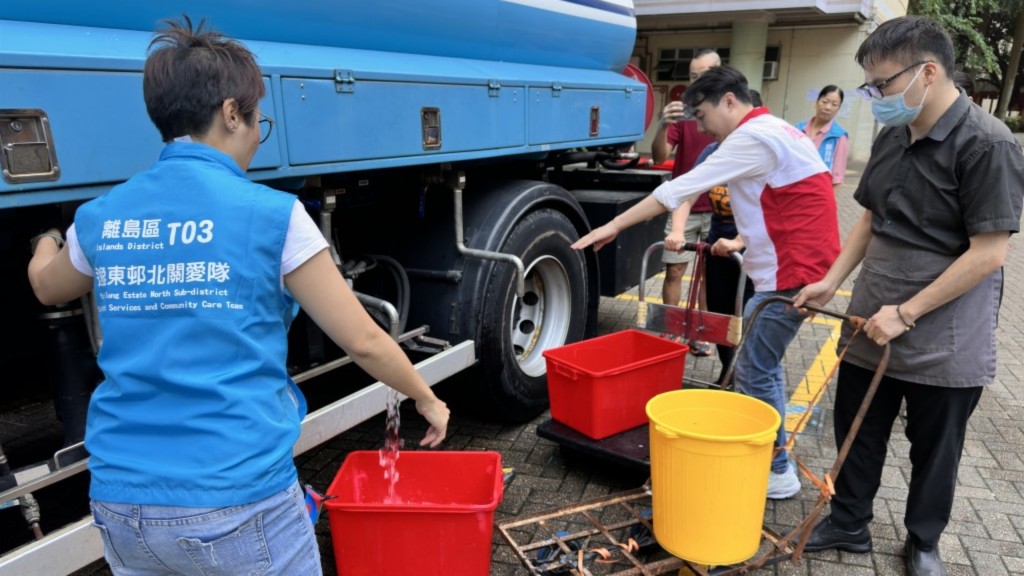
392 444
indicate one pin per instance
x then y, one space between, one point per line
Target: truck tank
591 34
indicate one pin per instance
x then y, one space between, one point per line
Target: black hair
830 89
963 81
907 40
714 84
755 99
190 72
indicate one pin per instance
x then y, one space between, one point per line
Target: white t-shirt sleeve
741 156
302 242
75 251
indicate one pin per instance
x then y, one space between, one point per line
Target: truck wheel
553 311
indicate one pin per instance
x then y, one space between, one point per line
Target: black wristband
906 324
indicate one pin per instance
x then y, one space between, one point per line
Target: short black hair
907 40
190 72
830 89
963 81
755 99
714 84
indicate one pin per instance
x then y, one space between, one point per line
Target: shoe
552 559
826 536
698 348
782 485
923 562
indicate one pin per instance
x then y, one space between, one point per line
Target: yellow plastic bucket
711 453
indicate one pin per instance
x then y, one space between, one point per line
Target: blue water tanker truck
450 151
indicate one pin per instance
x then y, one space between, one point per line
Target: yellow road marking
815 377
635 298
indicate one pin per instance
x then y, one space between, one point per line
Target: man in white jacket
785 210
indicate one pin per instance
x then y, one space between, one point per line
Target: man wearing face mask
942 193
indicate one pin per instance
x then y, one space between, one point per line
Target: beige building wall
811 57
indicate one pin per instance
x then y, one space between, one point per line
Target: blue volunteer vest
197 408
828 144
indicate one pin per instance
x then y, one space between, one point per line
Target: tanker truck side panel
338 109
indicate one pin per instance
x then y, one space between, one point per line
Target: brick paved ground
985 536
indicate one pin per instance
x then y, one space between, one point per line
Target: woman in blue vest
196 271
830 138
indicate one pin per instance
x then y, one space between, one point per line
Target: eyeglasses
266 127
875 90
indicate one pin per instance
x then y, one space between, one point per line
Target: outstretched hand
598 237
436 413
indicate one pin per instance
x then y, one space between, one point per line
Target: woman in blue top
196 271
830 138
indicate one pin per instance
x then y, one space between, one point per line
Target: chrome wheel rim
540 319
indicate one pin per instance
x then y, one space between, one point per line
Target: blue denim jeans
272 536
759 364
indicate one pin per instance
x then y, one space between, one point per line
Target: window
674 63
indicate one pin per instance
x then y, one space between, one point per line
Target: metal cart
631 447
613 535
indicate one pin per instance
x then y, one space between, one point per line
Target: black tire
553 312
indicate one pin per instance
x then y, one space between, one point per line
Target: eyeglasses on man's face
875 90
266 126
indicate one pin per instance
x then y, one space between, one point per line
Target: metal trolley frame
606 543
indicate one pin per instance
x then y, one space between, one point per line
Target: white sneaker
784 484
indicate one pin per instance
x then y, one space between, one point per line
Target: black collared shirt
965 177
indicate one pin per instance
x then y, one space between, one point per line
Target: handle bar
691 247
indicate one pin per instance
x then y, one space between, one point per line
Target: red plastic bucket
601 386
441 522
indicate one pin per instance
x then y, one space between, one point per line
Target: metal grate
552 542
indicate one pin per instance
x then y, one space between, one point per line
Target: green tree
988 36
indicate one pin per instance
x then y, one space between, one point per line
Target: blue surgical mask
893 110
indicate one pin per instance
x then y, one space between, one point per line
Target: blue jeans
759 364
272 536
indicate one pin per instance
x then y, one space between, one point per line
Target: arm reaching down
323 294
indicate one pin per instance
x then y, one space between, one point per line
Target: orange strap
605 556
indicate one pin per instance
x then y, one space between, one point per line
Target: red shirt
689 143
